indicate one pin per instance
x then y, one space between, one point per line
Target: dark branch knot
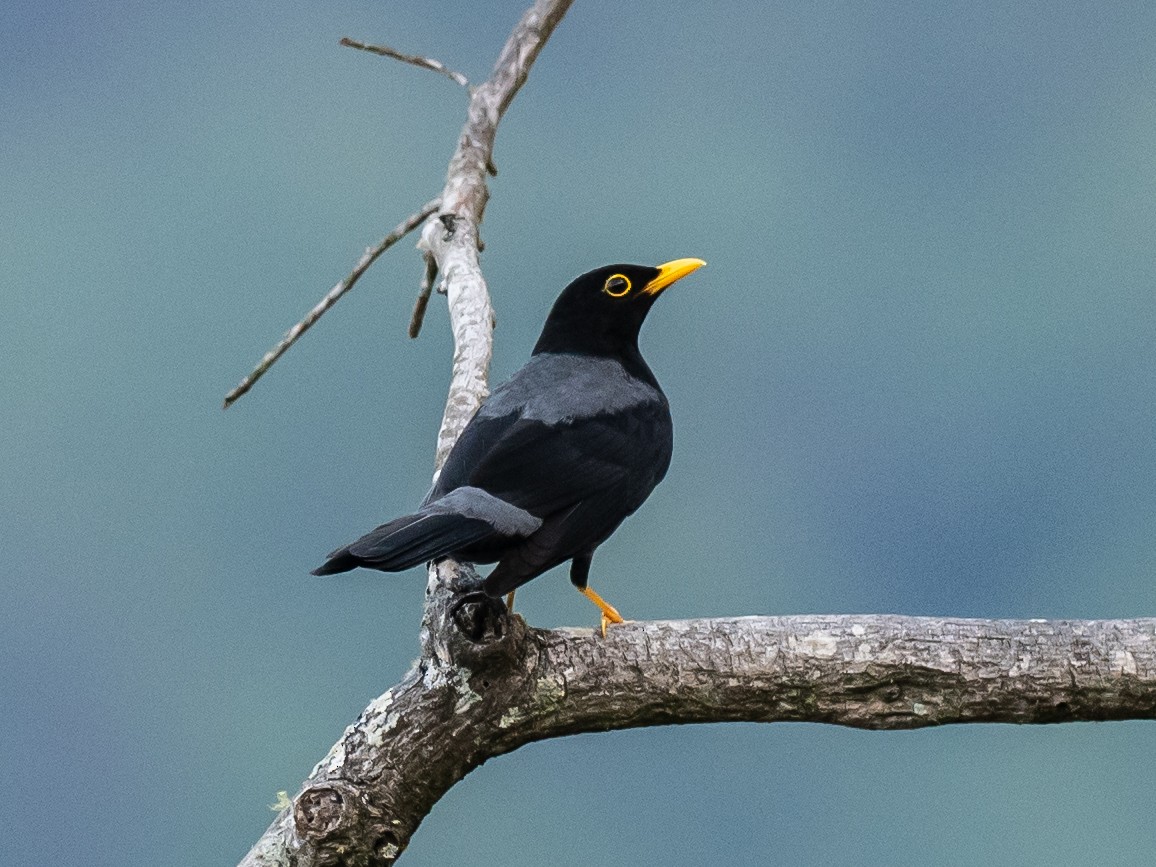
479 618
463 627
386 848
331 821
323 810
334 833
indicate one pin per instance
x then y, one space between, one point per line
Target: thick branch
873 672
492 685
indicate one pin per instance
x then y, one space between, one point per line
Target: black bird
557 457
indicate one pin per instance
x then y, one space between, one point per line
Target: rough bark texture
487 684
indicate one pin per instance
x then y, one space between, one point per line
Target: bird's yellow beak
670 272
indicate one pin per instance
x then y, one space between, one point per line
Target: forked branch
491 685
451 244
486 684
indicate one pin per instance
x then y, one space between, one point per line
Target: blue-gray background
916 377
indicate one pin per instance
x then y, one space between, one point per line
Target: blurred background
916 377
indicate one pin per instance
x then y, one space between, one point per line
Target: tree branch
331 297
494 684
453 239
486 683
455 246
414 59
425 288
452 244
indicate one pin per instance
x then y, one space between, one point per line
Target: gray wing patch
470 502
553 388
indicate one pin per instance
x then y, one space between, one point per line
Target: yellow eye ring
617 285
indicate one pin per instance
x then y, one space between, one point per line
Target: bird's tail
406 542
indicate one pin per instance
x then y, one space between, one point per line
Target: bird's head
601 312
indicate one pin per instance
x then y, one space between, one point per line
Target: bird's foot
610 614
610 621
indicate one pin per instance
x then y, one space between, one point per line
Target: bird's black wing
546 467
480 436
561 427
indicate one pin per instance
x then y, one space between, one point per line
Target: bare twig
331 297
425 289
416 60
491 685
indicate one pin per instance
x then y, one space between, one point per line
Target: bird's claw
609 612
612 621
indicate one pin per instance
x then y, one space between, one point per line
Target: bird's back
558 402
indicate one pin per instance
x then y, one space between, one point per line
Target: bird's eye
617 285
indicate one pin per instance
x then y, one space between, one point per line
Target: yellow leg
609 612
510 601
